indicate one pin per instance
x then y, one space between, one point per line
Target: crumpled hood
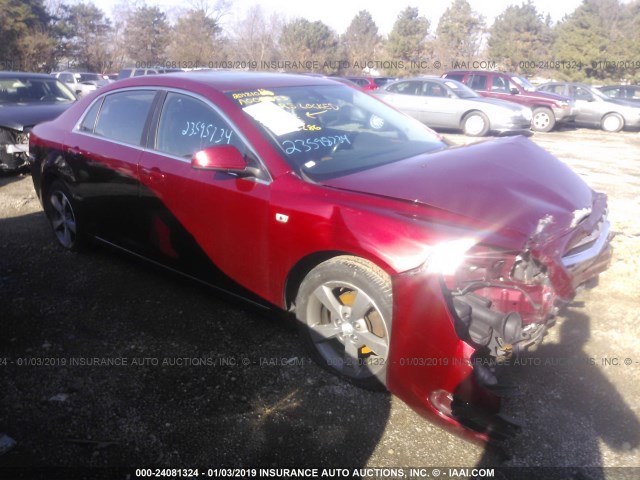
509 183
18 117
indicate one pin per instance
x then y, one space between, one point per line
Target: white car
77 82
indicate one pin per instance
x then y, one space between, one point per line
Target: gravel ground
209 383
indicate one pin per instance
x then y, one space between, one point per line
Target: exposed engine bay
14 149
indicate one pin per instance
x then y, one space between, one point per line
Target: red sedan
410 264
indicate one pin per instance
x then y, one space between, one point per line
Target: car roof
24 74
226 81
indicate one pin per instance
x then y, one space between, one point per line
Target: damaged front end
499 303
14 149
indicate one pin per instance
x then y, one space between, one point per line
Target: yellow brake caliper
347 298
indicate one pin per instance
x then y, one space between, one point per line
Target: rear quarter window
89 120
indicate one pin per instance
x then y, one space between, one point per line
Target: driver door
206 223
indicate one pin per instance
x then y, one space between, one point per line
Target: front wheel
63 216
612 122
475 124
344 308
543 119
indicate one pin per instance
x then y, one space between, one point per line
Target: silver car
445 103
595 109
630 93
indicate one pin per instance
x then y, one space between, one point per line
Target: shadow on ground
569 407
207 382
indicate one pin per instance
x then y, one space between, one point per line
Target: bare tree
255 37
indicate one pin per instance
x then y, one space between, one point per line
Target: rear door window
478 81
406 88
433 89
580 93
123 116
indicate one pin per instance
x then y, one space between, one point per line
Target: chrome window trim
76 127
206 101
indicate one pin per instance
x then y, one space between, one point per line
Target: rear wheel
475 124
612 122
62 214
543 119
344 308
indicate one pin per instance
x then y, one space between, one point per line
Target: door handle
74 150
155 175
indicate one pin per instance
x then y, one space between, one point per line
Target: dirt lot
263 403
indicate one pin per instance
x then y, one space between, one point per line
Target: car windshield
461 90
329 131
24 90
524 83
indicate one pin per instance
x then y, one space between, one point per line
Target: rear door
439 110
407 97
208 224
103 152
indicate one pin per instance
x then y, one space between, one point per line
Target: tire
612 122
543 119
344 308
62 213
475 124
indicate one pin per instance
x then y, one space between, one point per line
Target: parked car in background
345 81
444 103
26 99
630 93
76 82
409 264
369 83
595 109
95 80
548 109
137 72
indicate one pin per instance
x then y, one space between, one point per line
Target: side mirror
226 158
514 91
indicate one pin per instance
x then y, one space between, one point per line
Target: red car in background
410 264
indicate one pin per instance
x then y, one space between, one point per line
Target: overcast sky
339 13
